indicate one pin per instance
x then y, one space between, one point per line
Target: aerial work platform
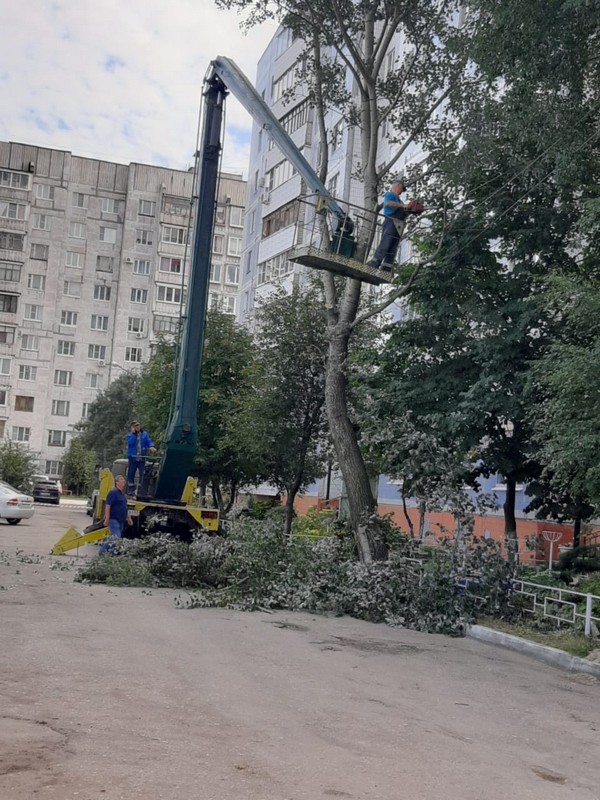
314 257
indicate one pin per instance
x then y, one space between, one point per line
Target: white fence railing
563 605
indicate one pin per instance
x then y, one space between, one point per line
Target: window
168 294
176 206
2 397
54 468
10 271
14 180
8 303
165 325
72 289
74 259
27 372
220 215
147 208
168 264
284 216
279 174
104 263
7 334
283 84
101 292
80 200
29 342
144 237
332 184
296 118
97 352
5 365
57 438
139 296
99 323
229 304
108 235
236 217
39 252
68 318
136 325
213 301
274 268
218 240
93 380
23 403
234 246
35 281
11 210
174 235
109 205
44 192
33 312
11 241
66 347
141 267
40 222
336 136
133 354
232 273
76 230
215 273
20 434
63 377
85 410
60 408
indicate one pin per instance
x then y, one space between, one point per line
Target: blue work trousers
385 254
135 465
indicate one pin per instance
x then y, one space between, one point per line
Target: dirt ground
112 694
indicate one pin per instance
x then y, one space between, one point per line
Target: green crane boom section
181 441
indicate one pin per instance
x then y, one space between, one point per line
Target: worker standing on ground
116 513
138 445
394 213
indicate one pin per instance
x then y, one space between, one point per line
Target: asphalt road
118 694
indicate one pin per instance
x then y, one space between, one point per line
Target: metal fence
564 606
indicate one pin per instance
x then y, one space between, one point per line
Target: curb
549 655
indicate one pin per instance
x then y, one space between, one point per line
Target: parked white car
14 505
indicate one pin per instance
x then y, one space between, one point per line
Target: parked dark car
46 492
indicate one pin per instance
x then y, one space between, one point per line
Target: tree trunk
577 531
407 517
371 545
510 522
289 515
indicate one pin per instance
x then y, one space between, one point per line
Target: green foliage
78 466
255 566
105 430
578 560
279 425
17 464
316 523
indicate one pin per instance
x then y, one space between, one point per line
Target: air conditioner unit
261 182
139 335
129 260
266 198
101 362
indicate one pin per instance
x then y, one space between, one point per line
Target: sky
121 80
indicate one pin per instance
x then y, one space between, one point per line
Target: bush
255 567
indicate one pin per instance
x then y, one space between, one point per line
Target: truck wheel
13 521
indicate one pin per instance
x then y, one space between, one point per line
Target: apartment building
275 220
94 263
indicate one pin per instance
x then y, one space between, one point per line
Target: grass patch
576 644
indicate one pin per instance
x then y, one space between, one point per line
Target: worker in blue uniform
139 444
394 214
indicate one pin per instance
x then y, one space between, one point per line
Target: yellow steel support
187 496
72 539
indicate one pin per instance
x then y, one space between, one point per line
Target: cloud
121 81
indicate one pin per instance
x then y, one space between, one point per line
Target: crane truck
173 492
